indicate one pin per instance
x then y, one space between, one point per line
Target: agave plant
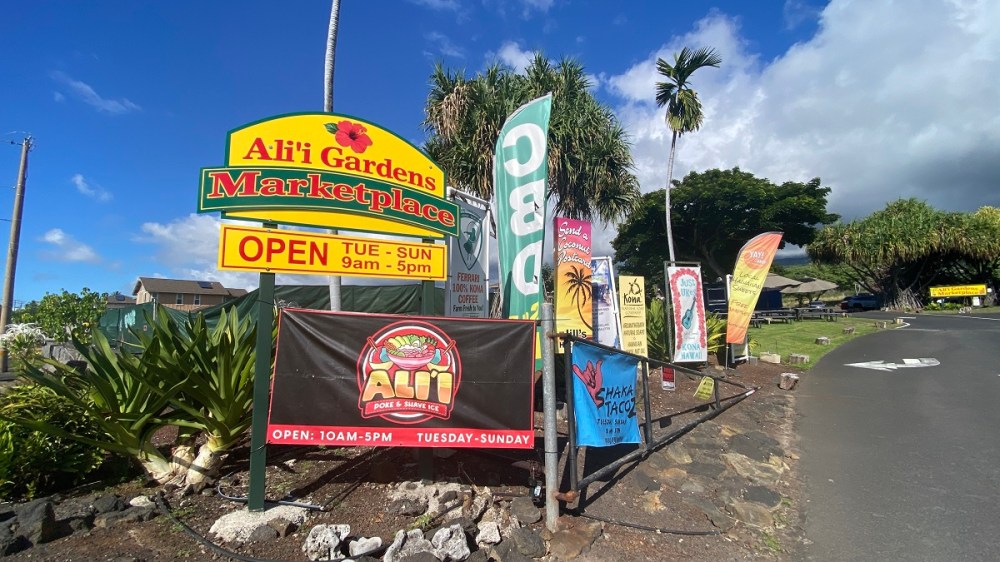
656 330
715 329
214 368
114 391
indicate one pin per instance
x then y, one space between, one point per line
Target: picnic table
761 317
829 314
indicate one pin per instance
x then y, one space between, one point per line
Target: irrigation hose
658 530
165 509
161 503
245 499
366 457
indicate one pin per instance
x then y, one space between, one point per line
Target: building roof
118 298
184 286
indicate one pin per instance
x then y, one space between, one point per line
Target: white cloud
449 5
90 190
193 239
67 249
797 12
58 97
88 95
885 101
512 55
537 6
189 248
444 45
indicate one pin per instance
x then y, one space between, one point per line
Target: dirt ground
352 485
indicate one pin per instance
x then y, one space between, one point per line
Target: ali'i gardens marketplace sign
329 171
958 291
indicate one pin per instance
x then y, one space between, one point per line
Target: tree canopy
902 250
590 163
65 314
714 213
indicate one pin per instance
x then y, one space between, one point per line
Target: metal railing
649 443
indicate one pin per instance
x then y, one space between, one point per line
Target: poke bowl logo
408 372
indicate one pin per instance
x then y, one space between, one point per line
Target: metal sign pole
425 457
668 318
570 416
261 389
549 420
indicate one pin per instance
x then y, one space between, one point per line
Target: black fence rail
650 443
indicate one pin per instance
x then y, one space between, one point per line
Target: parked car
864 301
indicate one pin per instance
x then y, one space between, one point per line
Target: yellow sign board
286 251
632 303
329 171
959 291
705 388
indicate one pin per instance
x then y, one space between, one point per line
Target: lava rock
108 503
264 533
37 521
524 509
527 542
451 544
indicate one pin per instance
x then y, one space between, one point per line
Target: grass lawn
800 337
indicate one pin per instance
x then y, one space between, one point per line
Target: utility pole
15 236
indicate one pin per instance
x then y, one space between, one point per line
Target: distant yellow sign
959 291
286 251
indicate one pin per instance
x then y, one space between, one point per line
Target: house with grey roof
183 294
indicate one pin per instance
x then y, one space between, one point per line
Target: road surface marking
906 364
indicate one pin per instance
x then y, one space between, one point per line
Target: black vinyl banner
386 380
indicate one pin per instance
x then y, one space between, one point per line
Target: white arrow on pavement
906 364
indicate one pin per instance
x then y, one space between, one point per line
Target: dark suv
864 301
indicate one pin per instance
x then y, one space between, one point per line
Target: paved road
905 464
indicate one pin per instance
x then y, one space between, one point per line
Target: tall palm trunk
666 203
331 57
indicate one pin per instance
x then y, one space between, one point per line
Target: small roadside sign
705 388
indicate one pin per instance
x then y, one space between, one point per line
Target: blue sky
126 100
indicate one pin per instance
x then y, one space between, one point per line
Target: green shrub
715 331
656 330
34 463
22 344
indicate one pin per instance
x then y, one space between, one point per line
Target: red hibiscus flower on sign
353 135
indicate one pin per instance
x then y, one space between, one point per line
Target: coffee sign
329 171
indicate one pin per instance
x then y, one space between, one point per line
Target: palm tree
683 108
331 56
328 66
580 290
590 164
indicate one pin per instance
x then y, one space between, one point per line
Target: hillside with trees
904 249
